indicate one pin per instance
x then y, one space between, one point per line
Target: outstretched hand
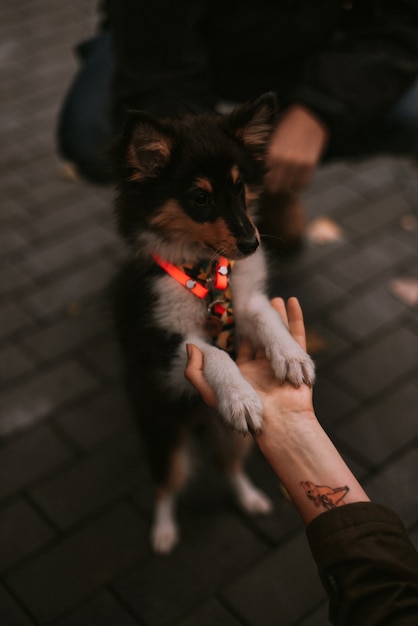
291 438
277 397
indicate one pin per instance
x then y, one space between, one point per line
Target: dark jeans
85 132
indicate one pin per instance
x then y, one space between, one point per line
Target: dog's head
184 185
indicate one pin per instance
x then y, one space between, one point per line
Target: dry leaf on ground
406 289
323 230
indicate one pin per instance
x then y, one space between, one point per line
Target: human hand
295 150
279 399
291 439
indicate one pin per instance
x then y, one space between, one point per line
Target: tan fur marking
218 236
162 146
132 160
251 195
152 154
235 174
172 219
204 183
179 469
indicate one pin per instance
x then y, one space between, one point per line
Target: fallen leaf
314 342
323 230
69 171
409 222
406 289
74 309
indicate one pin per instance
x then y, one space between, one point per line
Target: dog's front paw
293 364
238 403
241 407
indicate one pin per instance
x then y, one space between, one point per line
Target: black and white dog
196 275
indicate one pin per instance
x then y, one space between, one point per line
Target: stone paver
287 575
75 492
80 564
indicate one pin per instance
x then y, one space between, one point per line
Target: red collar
176 272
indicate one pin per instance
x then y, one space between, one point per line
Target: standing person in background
345 74
366 562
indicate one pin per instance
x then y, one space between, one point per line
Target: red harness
213 287
221 276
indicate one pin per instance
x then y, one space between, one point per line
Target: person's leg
84 130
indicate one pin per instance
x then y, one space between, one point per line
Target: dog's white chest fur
181 312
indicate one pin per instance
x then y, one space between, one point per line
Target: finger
279 305
194 359
245 352
296 322
194 374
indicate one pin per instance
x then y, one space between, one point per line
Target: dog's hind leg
162 425
249 497
164 530
231 450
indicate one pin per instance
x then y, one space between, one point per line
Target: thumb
194 374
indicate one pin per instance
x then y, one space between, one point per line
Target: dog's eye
201 198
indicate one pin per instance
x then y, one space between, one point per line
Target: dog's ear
252 123
149 145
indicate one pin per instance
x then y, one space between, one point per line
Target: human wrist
287 429
286 411
308 464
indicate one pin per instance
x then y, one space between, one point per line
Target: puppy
183 189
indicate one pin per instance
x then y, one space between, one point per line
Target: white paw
164 536
238 403
241 407
250 499
256 503
164 531
292 364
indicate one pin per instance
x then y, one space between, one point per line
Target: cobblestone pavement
74 489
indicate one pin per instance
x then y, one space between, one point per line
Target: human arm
353 81
292 440
367 564
345 88
296 147
365 559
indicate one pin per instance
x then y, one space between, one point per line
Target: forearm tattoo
325 497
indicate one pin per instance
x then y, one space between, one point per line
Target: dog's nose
248 245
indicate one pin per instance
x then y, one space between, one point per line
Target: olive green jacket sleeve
367 565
